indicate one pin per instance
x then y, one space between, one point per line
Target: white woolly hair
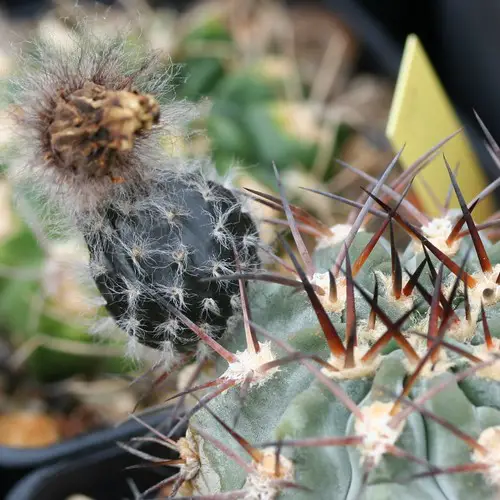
45 69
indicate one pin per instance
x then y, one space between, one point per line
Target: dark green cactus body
157 249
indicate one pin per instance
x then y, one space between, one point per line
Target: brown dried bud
89 130
93 123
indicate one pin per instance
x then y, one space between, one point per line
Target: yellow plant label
421 115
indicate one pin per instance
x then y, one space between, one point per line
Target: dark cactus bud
158 250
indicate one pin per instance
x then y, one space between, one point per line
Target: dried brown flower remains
93 123
89 120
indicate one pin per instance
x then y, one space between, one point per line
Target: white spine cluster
376 432
490 440
248 366
262 484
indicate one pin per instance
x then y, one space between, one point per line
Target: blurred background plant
275 83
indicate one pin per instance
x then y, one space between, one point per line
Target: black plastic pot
465 48
17 462
104 475
459 39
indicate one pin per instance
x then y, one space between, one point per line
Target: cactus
372 374
155 226
363 370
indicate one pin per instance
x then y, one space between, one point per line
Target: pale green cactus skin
293 404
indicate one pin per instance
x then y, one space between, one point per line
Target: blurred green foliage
29 315
251 120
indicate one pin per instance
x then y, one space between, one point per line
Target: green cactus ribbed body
293 404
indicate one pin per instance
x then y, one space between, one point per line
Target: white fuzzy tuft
220 219
376 433
403 303
323 281
166 356
248 365
169 329
359 370
261 483
235 302
486 291
482 351
369 336
339 234
175 293
442 365
209 306
437 232
490 440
